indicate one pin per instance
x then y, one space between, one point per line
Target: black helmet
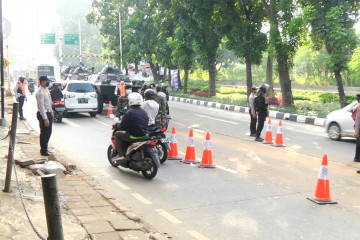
158 87
149 94
263 87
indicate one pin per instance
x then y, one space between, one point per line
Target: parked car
80 96
339 123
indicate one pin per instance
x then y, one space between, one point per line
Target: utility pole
80 42
120 37
2 64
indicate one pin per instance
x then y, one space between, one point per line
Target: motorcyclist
134 125
160 98
55 92
150 106
123 101
261 107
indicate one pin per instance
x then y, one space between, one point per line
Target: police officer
45 114
261 107
20 95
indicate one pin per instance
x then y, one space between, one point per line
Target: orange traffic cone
110 109
268 133
190 150
279 136
207 161
173 152
322 191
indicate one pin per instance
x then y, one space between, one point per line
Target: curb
272 114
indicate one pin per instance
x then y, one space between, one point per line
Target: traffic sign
61 64
71 39
47 38
6 62
84 55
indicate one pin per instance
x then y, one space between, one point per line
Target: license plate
165 140
60 109
83 100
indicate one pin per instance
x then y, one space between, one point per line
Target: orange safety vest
22 86
121 88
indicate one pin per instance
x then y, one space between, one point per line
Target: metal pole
2 64
11 147
120 37
80 41
52 207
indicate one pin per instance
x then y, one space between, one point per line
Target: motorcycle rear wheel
150 173
110 154
162 152
59 119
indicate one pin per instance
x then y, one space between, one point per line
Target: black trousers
357 149
252 123
122 139
45 132
21 104
260 125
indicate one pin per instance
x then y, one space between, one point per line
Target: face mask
47 83
128 91
22 80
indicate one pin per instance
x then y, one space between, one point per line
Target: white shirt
251 103
151 108
43 99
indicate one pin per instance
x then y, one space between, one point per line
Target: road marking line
227 169
72 124
168 216
121 185
141 198
217 119
102 123
197 235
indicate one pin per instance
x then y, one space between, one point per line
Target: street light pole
120 37
80 42
2 64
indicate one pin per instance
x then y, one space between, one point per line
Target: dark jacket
56 94
261 106
135 122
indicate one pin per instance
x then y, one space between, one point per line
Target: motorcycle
141 156
59 109
163 143
31 87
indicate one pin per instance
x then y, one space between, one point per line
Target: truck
45 70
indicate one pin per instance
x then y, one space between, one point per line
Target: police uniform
20 96
43 99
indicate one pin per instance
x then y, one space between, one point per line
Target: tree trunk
186 78
154 72
249 83
179 78
212 77
340 86
164 79
285 83
136 68
169 78
269 75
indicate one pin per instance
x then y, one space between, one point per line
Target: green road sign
72 39
47 38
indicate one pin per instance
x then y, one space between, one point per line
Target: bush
328 97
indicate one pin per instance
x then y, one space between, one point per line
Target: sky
28 19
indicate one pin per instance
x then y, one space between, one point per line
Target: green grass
308 103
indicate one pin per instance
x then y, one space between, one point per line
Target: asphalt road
256 191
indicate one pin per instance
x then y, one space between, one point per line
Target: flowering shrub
201 94
275 101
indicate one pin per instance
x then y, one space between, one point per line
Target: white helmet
135 99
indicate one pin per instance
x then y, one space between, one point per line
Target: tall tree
241 24
332 23
286 26
200 19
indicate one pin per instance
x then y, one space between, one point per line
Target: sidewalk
87 210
